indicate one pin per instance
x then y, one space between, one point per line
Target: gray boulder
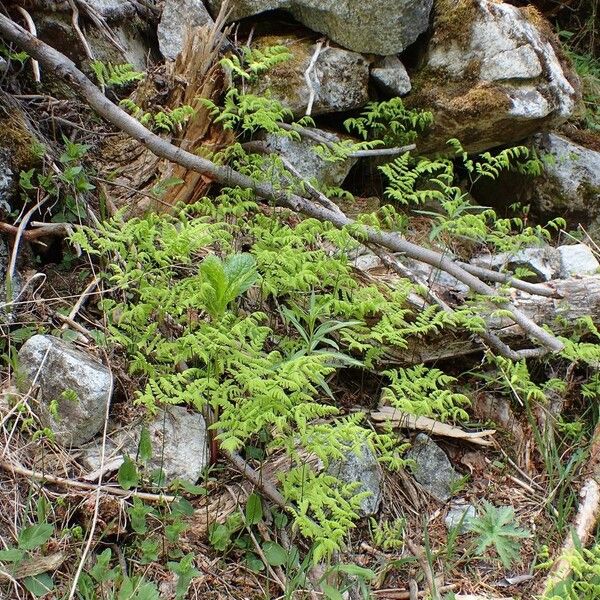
432 468
74 388
570 183
491 76
179 445
339 78
577 259
390 75
376 27
177 16
302 156
434 276
131 30
363 468
543 262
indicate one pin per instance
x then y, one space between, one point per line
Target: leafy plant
69 186
390 122
224 281
102 581
584 581
30 539
315 332
387 535
168 121
495 528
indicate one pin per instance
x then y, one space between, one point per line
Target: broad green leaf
240 270
254 563
182 507
128 476
11 555
254 511
355 571
275 554
190 488
39 585
35 536
219 536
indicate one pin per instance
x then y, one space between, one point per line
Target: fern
255 61
389 122
115 75
169 121
423 392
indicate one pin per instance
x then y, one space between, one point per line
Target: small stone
577 259
459 514
432 469
391 76
365 469
366 262
178 16
179 445
61 371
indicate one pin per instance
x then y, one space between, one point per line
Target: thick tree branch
65 69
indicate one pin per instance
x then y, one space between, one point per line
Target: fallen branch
583 301
426 568
402 420
35 67
537 289
17 469
58 63
35 565
395 594
264 485
315 136
311 66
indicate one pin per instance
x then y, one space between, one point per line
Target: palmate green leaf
495 527
35 536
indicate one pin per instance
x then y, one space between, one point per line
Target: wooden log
580 298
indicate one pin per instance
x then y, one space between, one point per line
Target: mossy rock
492 75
